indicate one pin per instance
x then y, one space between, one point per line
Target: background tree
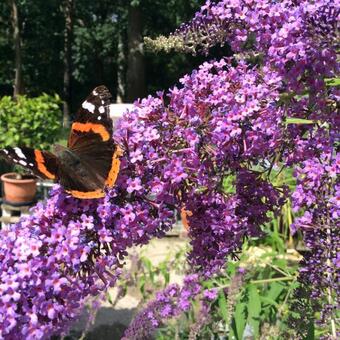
102 42
135 84
6 47
67 59
18 81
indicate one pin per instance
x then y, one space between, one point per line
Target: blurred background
53 53
68 47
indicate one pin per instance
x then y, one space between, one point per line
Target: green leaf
275 290
231 268
148 264
281 263
165 272
223 306
142 285
229 184
311 329
299 121
269 301
240 318
135 3
254 309
33 122
109 298
332 81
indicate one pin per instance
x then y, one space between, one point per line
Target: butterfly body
70 162
89 163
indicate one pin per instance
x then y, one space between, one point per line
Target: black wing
92 118
91 141
42 163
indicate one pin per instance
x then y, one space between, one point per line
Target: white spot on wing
19 153
101 109
31 164
95 93
99 118
88 106
22 163
5 151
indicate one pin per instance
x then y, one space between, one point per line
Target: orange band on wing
96 128
184 216
113 174
87 195
39 158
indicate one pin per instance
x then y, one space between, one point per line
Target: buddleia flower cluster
65 251
170 302
219 124
205 148
318 194
297 41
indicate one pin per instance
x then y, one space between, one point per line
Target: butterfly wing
43 164
91 141
93 161
92 118
81 183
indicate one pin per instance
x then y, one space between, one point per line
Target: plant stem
278 269
289 292
275 279
285 278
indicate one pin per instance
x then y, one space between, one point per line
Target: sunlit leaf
254 309
275 290
222 303
332 82
299 121
240 319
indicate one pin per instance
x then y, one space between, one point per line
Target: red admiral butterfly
91 160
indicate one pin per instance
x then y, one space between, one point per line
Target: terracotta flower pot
19 190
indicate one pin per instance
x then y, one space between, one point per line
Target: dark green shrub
34 122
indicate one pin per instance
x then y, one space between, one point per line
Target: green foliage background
33 122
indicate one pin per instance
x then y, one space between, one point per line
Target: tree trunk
67 59
135 68
18 81
120 70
